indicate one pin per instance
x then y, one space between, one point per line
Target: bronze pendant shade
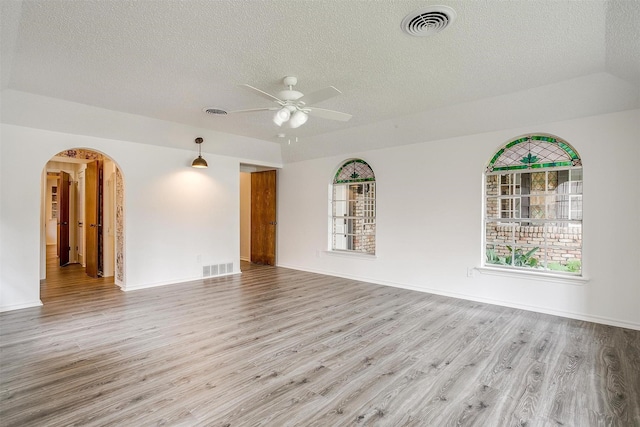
199 162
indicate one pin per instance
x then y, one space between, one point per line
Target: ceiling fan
293 107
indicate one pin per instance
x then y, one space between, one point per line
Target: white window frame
360 212
516 196
538 232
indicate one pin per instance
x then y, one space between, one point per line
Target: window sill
349 254
534 275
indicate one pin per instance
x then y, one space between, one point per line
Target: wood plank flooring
279 347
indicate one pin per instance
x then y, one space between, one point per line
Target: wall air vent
217 269
428 21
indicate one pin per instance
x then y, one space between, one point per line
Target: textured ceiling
169 59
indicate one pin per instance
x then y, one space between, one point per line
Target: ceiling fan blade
251 110
262 93
328 114
320 95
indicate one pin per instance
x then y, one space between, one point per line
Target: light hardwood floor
280 347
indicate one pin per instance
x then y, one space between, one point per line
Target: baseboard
245 259
561 313
174 282
21 306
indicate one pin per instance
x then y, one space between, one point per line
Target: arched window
353 217
533 206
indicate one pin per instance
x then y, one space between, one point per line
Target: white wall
176 218
429 224
245 216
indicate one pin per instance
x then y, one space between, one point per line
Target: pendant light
199 162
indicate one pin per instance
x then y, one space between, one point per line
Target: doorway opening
82 236
257 217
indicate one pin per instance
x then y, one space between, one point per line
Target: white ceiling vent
428 21
211 110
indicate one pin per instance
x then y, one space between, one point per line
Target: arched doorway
83 221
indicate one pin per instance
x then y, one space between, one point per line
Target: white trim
244 258
561 313
179 282
534 275
37 303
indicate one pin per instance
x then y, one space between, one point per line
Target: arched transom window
533 206
353 217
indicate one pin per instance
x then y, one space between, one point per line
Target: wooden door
92 209
263 217
64 182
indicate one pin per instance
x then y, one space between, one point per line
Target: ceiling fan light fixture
298 119
283 114
277 118
294 107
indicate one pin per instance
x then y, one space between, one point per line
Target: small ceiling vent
211 110
428 21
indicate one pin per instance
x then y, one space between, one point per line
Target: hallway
70 281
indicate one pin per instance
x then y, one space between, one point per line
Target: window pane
570 187
492 208
538 183
510 208
354 171
565 247
552 206
576 207
491 185
565 236
530 234
552 180
339 208
563 176
576 174
564 188
522 256
497 254
354 226
354 191
340 242
497 232
354 208
576 187
339 226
